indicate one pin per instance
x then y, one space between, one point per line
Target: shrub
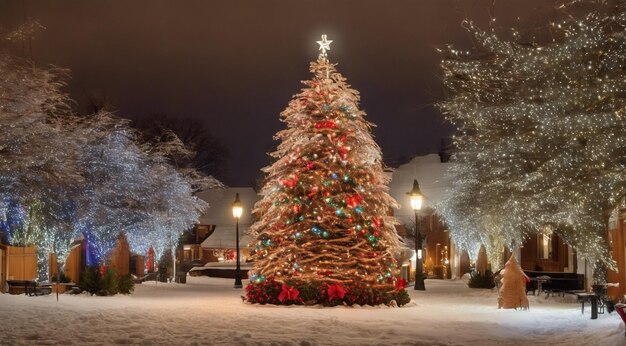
401 297
105 283
126 284
478 280
309 292
90 280
108 283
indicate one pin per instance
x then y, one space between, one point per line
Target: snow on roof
430 173
220 214
224 238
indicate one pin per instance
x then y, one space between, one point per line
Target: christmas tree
324 216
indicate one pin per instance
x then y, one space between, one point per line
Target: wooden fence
21 263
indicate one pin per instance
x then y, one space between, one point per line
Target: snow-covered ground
208 311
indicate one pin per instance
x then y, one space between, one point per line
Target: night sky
235 64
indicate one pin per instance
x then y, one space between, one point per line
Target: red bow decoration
336 291
400 284
288 293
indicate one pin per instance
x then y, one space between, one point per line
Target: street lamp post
237 211
416 204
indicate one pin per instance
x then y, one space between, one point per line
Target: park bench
28 287
558 282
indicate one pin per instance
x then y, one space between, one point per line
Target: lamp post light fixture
237 211
416 204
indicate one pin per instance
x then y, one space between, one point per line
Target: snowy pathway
210 312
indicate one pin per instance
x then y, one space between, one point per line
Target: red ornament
325 125
313 192
290 182
354 200
296 208
343 151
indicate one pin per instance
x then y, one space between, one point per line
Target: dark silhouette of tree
210 155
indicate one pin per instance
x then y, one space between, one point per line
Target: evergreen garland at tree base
293 292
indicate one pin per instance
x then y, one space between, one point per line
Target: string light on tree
541 134
324 212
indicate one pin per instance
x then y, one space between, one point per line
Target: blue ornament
338 212
298 235
334 176
358 209
296 266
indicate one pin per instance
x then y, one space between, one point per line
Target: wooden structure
137 265
21 263
119 259
545 253
190 248
438 246
3 261
75 262
617 243
17 263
